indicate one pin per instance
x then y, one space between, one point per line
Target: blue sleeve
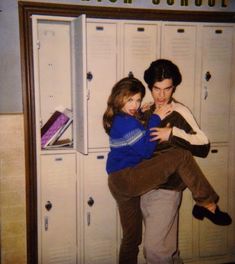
154 121
137 137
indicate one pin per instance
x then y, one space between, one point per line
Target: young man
160 207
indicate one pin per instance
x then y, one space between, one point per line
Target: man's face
162 92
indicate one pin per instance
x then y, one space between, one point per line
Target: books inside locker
55 127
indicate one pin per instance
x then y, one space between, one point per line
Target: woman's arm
128 132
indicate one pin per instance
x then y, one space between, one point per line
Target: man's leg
160 212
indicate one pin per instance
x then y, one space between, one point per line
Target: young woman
134 169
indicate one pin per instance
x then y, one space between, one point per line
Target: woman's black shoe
218 218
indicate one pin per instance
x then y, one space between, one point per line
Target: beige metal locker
54 67
141 46
58 209
100 213
102 56
213 240
179 44
186 227
216 81
56 169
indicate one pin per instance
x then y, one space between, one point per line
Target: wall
12 190
12 168
10 80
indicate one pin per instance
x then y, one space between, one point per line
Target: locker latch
90 201
207 76
89 76
131 74
48 205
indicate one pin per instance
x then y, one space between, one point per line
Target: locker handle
207 76
46 223
180 30
100 28
88 94
88 218
205 92
214 151
140 29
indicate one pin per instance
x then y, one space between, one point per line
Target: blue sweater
130 142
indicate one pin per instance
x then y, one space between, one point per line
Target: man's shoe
218 218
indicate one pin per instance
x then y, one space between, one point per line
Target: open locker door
79 83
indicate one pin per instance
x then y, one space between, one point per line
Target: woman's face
162 92
132 104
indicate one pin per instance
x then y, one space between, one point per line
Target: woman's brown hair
121 91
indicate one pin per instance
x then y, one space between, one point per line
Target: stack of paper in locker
55 127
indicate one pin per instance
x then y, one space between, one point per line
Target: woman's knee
185 154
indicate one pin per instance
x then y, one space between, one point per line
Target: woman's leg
150 174
131 222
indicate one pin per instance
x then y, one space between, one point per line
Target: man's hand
161 134
146 106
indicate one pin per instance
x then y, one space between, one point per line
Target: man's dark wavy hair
162 69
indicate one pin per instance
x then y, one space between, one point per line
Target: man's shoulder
181 108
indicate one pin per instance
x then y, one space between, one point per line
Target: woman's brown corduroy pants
129 184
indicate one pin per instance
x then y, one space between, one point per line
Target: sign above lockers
184 5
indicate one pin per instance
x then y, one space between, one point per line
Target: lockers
213 239
216 81
102 59
54 52
52 55
186 227
141 45
100 213
58 208
114 50
179 44
94 54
